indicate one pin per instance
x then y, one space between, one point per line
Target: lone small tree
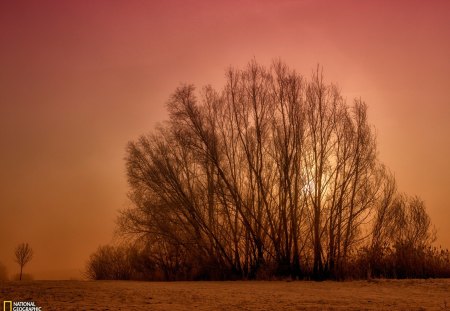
24 253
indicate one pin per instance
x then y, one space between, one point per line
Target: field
238 295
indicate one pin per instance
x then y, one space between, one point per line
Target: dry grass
240 295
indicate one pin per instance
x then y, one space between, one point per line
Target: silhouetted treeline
273 176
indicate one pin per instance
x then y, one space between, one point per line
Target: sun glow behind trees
274 175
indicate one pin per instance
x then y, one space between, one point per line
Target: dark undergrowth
134 263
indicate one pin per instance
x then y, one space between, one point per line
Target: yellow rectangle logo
6 304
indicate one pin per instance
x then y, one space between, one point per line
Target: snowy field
239 295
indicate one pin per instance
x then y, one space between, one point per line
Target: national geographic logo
20 306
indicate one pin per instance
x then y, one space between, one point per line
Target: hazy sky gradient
79 79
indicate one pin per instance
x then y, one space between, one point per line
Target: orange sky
78 79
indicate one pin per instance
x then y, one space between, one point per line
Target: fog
78 80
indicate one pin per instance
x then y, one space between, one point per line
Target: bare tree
24 254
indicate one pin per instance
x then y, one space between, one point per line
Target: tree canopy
274 175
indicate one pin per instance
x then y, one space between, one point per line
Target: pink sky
79 79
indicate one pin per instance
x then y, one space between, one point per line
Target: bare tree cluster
275 175
401 242
110 263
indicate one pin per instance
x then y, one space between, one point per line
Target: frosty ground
432 294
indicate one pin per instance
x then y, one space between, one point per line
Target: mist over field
264 144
